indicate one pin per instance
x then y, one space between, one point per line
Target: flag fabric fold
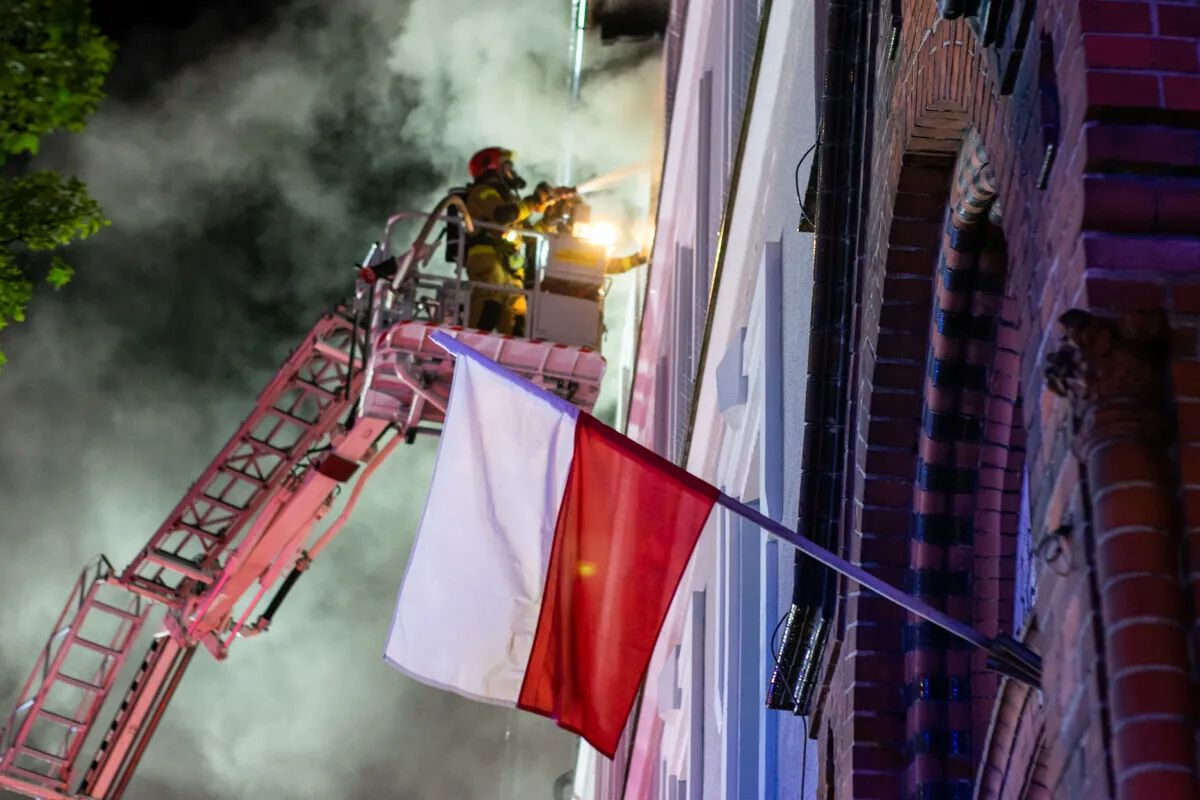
547 555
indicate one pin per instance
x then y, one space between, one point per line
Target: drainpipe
825 436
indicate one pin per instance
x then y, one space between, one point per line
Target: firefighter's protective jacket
492 200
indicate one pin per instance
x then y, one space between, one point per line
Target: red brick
1181 92
912 262
918 291
1107 89
1146 644
1188 415
1150 691
1187 298
1139 52
883 728
901 347
1148 253
1189 462
874 785
1143 596
891 463
1191 504
870 606
919 206
1136 551
883 758
1109 17
1154 741
1113 203
1176 20
914 233
894 433
887 522
908 318
924 180
1122 294
897 404
1177 205
1158 784
878 492
1150 145
1132 505
899 376
1186 377
1183 341
1126 461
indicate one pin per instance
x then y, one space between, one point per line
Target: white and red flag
547 555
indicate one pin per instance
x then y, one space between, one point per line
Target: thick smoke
242 189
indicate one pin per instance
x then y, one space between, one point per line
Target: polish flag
549 550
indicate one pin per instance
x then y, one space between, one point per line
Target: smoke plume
242 189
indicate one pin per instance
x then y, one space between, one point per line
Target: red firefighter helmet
487 159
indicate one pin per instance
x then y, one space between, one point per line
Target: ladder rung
78 683
42 755
100 605
238 475
99 648
177 564
59 718
48 781
258 445
150 590
203 534
299 422
219 503
321 390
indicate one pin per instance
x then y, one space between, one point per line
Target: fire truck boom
365 379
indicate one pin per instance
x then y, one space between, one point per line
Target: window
706 225
699 679
1026 579
685 365
741 30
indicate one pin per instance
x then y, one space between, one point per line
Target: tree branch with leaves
53 62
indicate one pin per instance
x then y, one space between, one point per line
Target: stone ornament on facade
1103 360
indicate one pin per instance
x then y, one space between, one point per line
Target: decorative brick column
1115 375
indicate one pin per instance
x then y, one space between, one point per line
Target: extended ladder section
365 379
290 425
73 675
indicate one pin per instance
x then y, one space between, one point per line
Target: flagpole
1008 656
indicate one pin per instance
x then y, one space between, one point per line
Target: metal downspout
835 249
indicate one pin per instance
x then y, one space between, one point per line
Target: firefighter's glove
542 197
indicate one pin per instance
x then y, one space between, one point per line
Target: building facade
962 353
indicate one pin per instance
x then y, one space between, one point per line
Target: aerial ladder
365 379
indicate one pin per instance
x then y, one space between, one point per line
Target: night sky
248 153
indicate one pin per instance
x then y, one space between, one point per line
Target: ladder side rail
151 690
309 368
14 727
71 727
281 538
31 790
135 721
121 642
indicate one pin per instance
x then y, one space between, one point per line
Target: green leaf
55 62
44 211
60 272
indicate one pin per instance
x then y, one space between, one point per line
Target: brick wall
1087 113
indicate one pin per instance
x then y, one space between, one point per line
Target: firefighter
496 257
621 264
